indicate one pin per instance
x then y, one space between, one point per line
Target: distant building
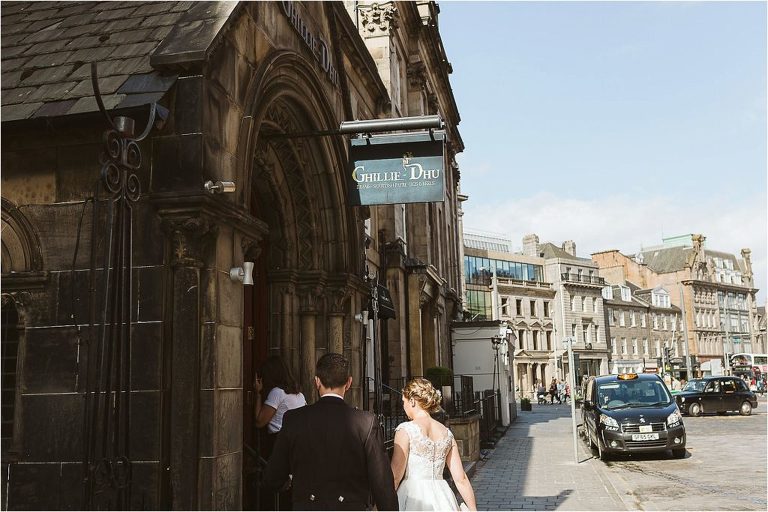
715 291
641 323
530 291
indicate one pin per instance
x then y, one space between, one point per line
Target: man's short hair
333 370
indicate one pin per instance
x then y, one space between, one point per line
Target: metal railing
587 279
461 402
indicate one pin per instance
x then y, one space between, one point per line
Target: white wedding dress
423 486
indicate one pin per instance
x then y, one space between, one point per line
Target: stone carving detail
433 105
294 160
379 18
417 76
309 298
337 301
191 238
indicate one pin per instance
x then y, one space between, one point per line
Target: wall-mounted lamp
220 187
362 317
243 274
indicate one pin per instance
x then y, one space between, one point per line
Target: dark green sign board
392 169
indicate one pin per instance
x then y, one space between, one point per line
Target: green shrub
439 376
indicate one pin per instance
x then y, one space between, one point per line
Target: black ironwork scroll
107 465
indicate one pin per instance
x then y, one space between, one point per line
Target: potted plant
525 404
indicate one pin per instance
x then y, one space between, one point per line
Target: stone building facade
534 292
641 323
582 316
120 280
715 291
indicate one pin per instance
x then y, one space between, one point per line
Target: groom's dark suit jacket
336 456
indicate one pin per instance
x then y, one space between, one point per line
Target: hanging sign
401 168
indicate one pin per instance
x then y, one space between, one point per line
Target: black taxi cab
631 413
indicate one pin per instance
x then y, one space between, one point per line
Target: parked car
631 413
716 394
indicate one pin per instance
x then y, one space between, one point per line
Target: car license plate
646 428
645 437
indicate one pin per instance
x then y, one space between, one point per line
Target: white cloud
626 223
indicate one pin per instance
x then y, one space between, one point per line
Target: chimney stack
569 246
531 245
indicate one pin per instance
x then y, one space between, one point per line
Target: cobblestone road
533 468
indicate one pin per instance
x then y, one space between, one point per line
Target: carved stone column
308 313
337 303
190 240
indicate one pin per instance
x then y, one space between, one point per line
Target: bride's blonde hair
422 391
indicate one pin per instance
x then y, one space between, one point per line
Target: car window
590 387
741 385
695 385
729 386
632 393
713 387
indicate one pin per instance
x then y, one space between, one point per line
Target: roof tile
51 92
15 51
15 28
18 111
106 86
134 50
48 75
135 36
40 14
14 64
150 8
75 8
89 104
11 80
47 47
48 34
49 59
116 13
13 96
92 28
55 108
91 54
79 19
11 39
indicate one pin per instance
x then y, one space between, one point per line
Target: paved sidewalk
533 468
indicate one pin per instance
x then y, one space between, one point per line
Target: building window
535 335
622 322
634 346
521 339
656 321
573 331
549 340
519 307
664 322
658 348
614 348
546 309
645 347
585 328
611 321
642 319
624 346
533 308
573 303
632 319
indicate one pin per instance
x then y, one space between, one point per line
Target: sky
613 124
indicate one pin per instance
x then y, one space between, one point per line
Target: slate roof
549 250
47 48
672 259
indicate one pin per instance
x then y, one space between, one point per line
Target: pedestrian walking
334 452
283 394
423 446
553 392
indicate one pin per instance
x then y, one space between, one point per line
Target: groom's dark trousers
336 456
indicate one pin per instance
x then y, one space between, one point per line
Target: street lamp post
568 344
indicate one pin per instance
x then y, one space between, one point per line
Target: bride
423 446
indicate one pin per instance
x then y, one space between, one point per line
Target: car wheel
694 409
745 409
602 454
678 454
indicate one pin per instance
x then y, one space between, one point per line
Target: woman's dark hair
276 374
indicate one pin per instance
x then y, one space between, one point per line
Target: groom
334 451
